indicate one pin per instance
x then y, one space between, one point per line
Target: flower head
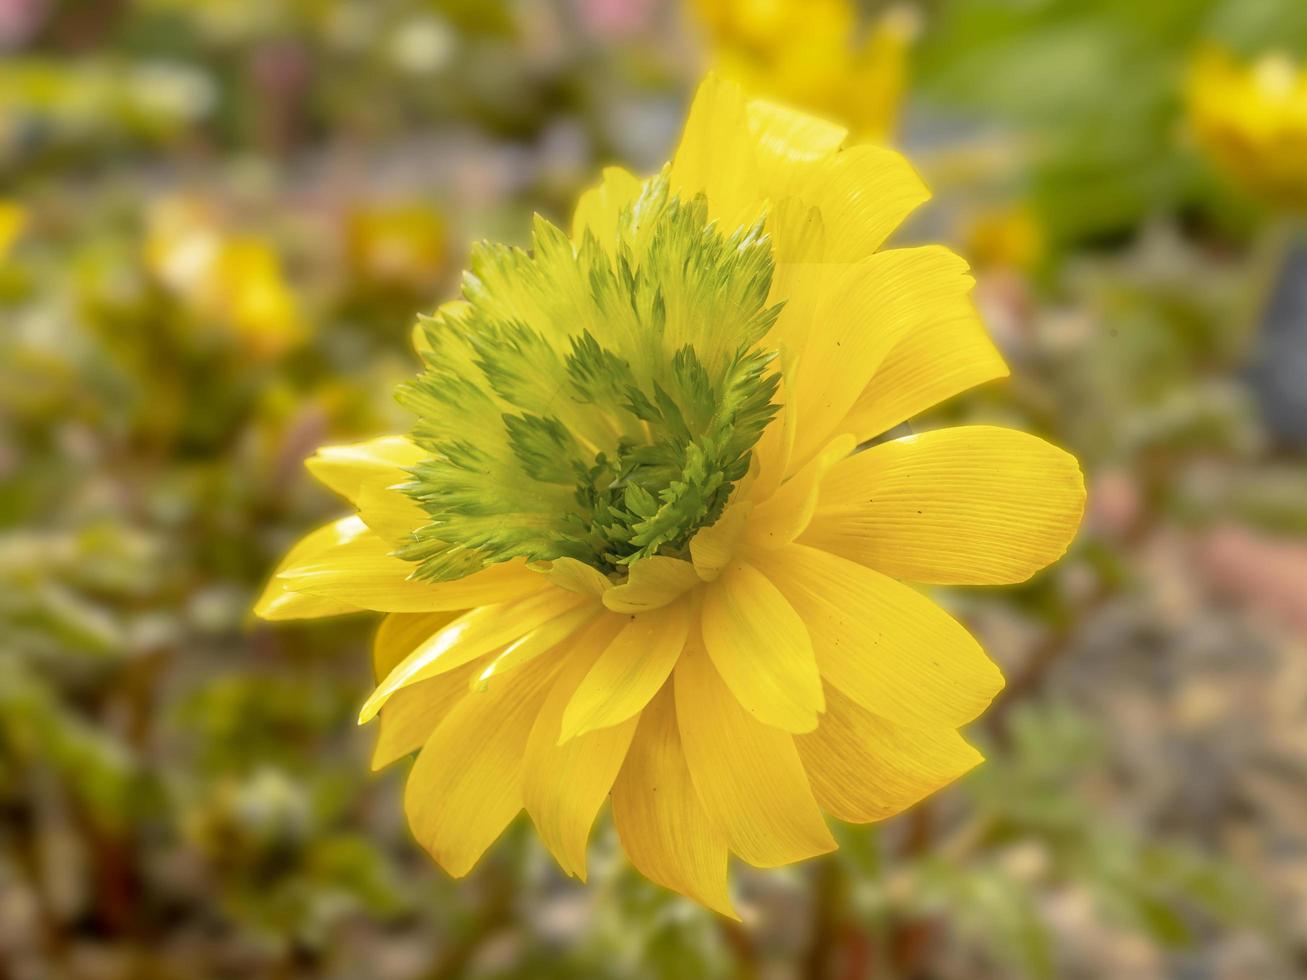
629 548
231 282
396 245
1252 120
809 53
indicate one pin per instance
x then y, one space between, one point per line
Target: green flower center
589 402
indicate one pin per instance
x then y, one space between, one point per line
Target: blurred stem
495 913
829 894
1030 677
909 939
737 938
23 826
116 883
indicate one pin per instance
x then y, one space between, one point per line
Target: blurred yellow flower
1251 119
250 292
629 548
1004 237
396 245
13 218
235 282
807 53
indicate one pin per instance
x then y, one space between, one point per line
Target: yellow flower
1252 121
249 292
629 548
806 53
13 218
1004 237
398 245
233 282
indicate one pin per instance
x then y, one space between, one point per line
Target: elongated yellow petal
748 774
973 505
776 446
782 517
575 576
471 635
377 462
466 784
279 601
760 647
541 640
390 512
564 785
629 671
412 714
935 360
862 768
651 583
663 826
882 643
713 547
400 634
786 140
717 156
360 569
864 313
863 193
598 209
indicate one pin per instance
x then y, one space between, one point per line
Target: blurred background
218 219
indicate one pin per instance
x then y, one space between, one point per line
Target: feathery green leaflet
593 402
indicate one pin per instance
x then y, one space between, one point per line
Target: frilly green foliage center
597 402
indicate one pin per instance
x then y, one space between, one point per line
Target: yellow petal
761 649
400 634
564 785
599 208
663 827
863 193
885 645
543 639
862 768
466 784
934 361
776 447
379 462
713 547
787 139
748 775
784 515
716 156
864 313
471 635
651 583
393 514
801 280
972 505
629 671
573 575
279 601
411 715
362 571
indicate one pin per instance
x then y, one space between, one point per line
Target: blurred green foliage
1094 91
